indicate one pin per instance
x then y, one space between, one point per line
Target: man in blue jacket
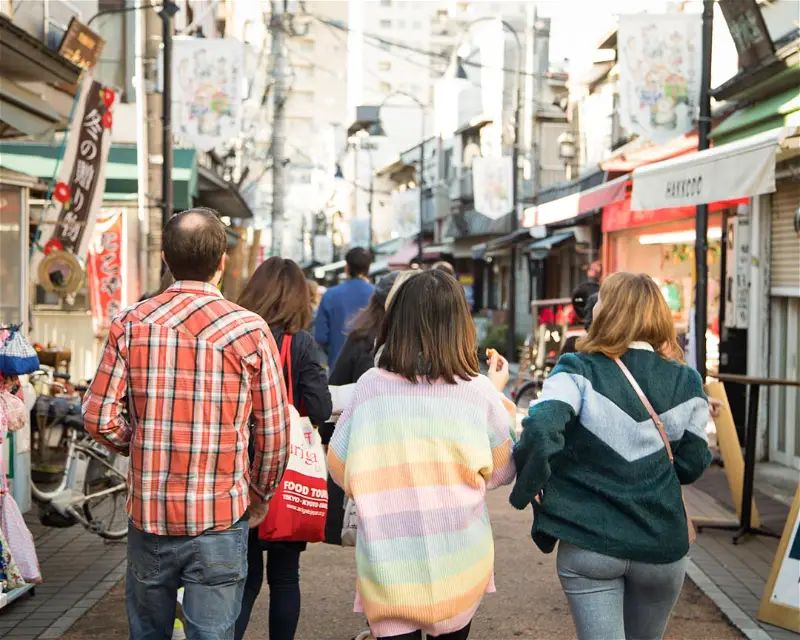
342 302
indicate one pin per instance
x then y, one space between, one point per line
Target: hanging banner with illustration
207 91
659 78
104 269
493 186
405 211
78 192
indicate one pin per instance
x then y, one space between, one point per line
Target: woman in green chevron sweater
595 467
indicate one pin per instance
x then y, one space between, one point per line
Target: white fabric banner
737 170
207 90
493 186
659 78
405 208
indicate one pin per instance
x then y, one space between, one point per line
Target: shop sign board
207 87
737 303
749 32
104 269
660 62
80 45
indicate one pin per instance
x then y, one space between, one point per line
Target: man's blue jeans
211 567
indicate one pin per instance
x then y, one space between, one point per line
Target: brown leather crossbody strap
653 415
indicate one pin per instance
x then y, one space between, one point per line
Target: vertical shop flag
207 90
659 61
81 179
405 211
492 185
104 269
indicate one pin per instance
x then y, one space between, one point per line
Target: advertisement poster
207 86
493 186
405 206
104 269
659 62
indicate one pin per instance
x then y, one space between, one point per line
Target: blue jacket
339 305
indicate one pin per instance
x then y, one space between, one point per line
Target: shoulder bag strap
286 365
653 415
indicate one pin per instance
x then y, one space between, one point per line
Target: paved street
528 604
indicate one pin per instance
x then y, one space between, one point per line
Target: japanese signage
737 286
81 181
104 269
493 186
80 45
749 32
659 61
207 87
405 211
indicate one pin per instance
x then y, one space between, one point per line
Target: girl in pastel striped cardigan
423 438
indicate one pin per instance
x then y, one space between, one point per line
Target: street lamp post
512 285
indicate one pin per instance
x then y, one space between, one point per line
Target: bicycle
91 481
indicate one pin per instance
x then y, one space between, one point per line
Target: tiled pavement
78 569
733 576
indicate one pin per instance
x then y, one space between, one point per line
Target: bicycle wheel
527 393
106 514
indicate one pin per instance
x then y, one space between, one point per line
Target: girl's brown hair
428 331
630 308
279 293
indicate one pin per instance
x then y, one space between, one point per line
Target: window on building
385 24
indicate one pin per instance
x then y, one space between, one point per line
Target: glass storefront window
11 221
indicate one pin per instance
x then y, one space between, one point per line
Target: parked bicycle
74 479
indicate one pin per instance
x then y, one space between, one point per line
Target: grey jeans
614 599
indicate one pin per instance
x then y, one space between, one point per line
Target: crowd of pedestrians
194 388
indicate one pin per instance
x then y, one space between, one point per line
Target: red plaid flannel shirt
194 368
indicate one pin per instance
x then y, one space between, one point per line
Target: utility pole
166 115
154 140
701 222
279 71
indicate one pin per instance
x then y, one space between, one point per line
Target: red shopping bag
299 507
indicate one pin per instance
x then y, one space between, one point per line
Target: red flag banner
104 269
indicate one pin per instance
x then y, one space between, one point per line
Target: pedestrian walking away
423 438
619 427
356 358
278 292
194 368
341 303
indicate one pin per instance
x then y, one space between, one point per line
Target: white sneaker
365 635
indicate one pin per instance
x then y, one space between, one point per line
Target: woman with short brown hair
422 440
279 293
619 427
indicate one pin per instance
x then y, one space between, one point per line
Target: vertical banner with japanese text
493 186
81 179
659 77
104 269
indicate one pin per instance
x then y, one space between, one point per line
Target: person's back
421 441
191 368
598 472
341 303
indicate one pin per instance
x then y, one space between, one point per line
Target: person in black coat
356 357
278 292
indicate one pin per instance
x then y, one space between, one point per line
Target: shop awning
40 160
782 110
220 195
23 112
576 204
737 170
25 57
319 272
540 249
404 256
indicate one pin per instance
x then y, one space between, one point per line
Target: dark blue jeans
211 567
283 578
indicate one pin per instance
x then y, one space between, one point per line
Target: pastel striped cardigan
417 459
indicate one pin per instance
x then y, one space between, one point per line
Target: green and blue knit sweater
589 444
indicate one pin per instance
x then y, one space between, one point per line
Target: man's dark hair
358 261
194 242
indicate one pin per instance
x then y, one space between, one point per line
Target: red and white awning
575 204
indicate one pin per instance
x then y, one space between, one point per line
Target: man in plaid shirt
192 369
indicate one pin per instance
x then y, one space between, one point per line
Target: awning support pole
701 223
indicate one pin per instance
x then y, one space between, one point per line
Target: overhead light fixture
376 129
678 237
338 173
460 71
